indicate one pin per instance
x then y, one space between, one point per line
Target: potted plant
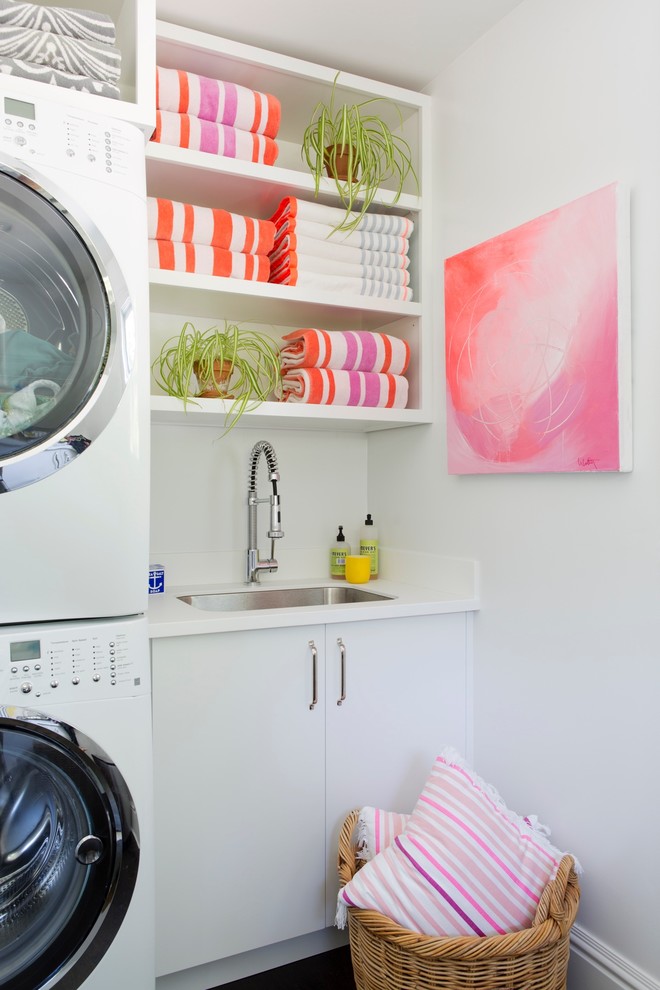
232 363
356 148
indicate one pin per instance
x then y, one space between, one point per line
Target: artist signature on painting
587 463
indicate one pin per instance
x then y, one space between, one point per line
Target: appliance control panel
46 133
82 661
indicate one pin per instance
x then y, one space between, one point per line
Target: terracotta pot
216 387
337 168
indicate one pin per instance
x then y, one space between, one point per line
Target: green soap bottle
369 544
338 556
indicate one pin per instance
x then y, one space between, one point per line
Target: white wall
559 99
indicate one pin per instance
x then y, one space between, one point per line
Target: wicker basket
388 957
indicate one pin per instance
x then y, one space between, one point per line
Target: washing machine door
66 330
69 852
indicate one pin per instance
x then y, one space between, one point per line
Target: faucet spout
254 563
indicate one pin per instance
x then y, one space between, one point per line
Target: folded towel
368 240
294 243
345 350
185 131
84 58
213 99
283 268
376 830
168 220
203 259
56 77
323 386
87 25
320 282
382 223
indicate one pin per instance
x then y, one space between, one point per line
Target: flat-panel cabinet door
402 687
239 792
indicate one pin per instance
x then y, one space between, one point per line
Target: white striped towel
320 282
367 240
87 25
213 99
320 247
345 350
57 77
377 829
324 386
85 58
282 269
383 223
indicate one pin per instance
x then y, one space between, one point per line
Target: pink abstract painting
537 344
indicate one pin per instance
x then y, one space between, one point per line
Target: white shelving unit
256 190
136 39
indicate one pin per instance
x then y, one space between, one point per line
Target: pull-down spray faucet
254 564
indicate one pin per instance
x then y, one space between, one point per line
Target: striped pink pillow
377 829
464 865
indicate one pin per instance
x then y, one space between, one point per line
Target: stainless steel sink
240 601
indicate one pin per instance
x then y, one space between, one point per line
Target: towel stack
217 117
345 368
207 241
60 46
371 260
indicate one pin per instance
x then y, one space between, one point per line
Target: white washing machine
74 376
76 845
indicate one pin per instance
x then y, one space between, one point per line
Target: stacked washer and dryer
76 850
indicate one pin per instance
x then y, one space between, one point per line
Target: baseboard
595 966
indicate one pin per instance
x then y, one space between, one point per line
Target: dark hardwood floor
327 971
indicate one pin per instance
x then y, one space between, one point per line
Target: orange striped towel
347 350
185 131
168 220
324 386
202 259
212 99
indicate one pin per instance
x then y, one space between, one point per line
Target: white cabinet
252 783
134 22
256 190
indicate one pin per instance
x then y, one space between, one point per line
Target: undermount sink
240 601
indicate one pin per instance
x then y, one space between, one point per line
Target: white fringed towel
321 247
296 264
367 240
382 223
343 284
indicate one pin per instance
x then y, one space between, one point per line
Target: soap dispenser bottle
369 544
338 556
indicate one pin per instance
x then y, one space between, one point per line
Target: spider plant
217 361
373 153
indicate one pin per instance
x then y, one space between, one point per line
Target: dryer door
66 347
69 852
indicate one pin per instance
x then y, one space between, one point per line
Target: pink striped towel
323 386
203 259
168 220
376 830
301 209
347 350
185 131
212 99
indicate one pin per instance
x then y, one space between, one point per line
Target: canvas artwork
537 344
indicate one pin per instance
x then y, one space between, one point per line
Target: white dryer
74 378
76 844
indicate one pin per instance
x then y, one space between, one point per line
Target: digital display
19 108
28 649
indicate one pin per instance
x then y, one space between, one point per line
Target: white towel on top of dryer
88 25
85 58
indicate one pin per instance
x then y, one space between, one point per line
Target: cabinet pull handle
342 654
315 679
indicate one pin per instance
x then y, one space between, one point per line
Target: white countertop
170 617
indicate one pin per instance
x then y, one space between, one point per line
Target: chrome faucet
254 565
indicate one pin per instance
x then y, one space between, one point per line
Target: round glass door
61 327
69 851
